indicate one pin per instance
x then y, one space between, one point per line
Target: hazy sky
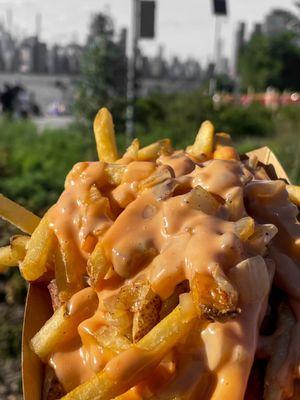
184 27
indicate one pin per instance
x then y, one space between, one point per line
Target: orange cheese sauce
166 242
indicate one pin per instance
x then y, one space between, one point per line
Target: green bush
179 116
238 121
33 165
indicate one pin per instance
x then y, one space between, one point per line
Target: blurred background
162 67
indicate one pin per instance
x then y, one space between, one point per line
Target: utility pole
132 72
219 10
217 33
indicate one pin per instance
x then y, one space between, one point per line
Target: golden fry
294 194
66 288
132 152
146 316
105 136
11 255
154 150
97 266
202 148
40 245
62 326
114 173
151 349
18 215
110 338
226 153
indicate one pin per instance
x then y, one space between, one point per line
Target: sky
184 27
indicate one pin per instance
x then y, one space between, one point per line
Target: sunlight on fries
202 148
18 215
294 194
40 245
105 136
154 150
97 266
154 346
132 151
61 327
12 255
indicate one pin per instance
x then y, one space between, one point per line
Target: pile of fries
173 274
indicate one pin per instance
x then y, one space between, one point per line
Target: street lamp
143 27
219 10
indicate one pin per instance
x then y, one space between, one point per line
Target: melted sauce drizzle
183 241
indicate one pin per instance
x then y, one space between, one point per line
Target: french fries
105 136
12 255
226 153
98 265
18 215
110 338
294 194
40 245
159 265
202 149
61 327
154 150
152 348
132 151
68 283
146 315
114 173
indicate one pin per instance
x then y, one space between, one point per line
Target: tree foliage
273 58
103 71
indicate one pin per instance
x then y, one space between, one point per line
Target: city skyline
191 36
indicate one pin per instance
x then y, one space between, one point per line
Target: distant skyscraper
123 40
258 29
33 56
220 67
40 55
158 64
239 43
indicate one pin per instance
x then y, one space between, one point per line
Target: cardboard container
38 305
